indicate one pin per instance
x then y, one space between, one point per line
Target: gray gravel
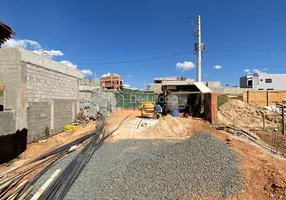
60 164
156 169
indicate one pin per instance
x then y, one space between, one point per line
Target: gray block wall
42 92
63 113
85 94
39 118
43 84
229 90
7 123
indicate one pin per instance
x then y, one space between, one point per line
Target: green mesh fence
1 93
133 99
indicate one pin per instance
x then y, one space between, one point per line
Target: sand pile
167 126
236 112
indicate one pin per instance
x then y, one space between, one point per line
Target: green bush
221 99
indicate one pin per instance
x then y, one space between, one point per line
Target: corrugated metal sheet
202 87
5 32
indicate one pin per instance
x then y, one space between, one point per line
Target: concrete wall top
20 54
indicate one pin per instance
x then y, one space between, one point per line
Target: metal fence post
267 98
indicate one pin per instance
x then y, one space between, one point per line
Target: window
270 89
268 80
261 79
260 89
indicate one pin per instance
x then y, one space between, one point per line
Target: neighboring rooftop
5 33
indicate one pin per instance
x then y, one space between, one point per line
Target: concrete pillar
73 111
52 122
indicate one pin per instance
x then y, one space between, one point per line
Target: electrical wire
248 49
178 54
133 61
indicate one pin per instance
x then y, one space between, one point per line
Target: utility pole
199 51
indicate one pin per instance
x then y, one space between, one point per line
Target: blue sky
93 31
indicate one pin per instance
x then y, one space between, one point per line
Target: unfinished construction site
64 137
57 143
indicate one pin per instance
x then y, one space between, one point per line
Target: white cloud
247 70
49 53
31 45
264 69
36 48
27 44
108 74
68 63
86 72
205 75
105 75
186 65
256 71
217 67
126 85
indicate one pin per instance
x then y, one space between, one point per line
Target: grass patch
222 99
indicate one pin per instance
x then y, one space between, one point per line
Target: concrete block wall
43 84
39 118
85 94
229 90
12 142
7 123
33 82
64 113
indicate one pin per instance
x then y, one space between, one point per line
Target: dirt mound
168 126
236 112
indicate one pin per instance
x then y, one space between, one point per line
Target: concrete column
73 111
52 122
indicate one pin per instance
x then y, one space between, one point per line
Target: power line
133 61
248 49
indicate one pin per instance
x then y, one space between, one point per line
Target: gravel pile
198 168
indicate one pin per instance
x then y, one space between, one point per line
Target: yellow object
147 108
70 128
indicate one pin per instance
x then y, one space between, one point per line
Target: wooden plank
46 184
23 196
248 133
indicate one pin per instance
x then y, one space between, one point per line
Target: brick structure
111 81
210 105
